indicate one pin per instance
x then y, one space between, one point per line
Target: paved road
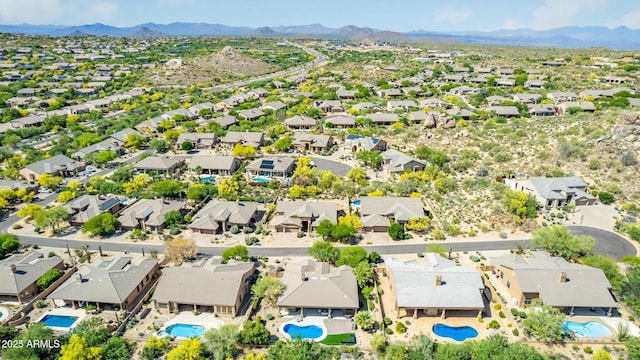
606 243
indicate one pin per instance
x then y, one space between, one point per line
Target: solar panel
267 166
108 204
267 161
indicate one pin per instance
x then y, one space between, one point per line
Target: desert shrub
502 315
400 328
497 306
270 317
515 332
494 324
175 231
387 321
234 229
514 311
39 304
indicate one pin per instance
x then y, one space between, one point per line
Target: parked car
44 191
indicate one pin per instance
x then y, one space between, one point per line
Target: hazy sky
397 15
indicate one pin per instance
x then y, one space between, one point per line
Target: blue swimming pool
208 179
461 333
591 329
305 332
185 330
261 179
356 203
61 321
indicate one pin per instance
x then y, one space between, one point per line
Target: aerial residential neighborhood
199 191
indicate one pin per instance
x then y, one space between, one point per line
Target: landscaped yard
340 339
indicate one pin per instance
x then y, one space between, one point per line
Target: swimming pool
591 329
60 321
184 330
305 332
461 333
356 203
261 179
208 179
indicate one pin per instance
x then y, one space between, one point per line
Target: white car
44 191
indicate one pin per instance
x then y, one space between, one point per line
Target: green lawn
338 339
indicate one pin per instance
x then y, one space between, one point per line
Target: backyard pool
183 330
207 179
59 321
261 179
356 203
591 329
305 332
461 333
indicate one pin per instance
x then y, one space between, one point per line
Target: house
58 165
527 98
342 120
278 167
220 215
313 142
274 106
416 117
148 214
115 282
316 286
21 123
198 140
464 90
178 113
461 113
541 110
495 100
377 211
505 82
196 110
227 285
329 106
19 273
403 105
299 122
225 121
555 192
296 216
534 84
346 94
562 96
397 162
85 207
15 185
389 93
214 164
355 143
253 139
383 119
163 165
505 111
434 103
555 281
150 125
258 93
109 144
251 114
435 287
586 106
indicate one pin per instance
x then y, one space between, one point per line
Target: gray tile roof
321 141
551 188
219 211
30 267
300 121
400 208
249 138
212 162
184 284
312 284
540 273
341 119
415 283
151 211
290 212
158 162
52 165
106 280
396 160
383 118
276 164
87 206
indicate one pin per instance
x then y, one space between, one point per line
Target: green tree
66 196
559 241
154 348
117 348
93 331
420 224
631 261
48 278
228 188
243 151
105 156
199 192
221 343
77 349
172 218
357 175
545 323
35 332
29 211
372 159
283 144
610 268
267 288
134 141
438 249
364 320
301 349
396 231
51 218
100 225
254 333
352 256
159 145
364 275
343 232
325 228
187 145
167 188
324 251
238 252
189 349
48 181
8 243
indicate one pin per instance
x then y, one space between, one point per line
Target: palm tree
364 320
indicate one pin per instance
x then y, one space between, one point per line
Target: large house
214 164
253 139
220 215
355 143
19 273
148 214
341 120
555 281
397 162
162 165
377 212
300 122
437 287
279 167
181 287
85 207
311 285
198 140
313 142
58 165
115 282
555 192
291 216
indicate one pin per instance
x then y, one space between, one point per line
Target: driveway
607 243
598 216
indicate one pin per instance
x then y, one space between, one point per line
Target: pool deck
207 321
318 321
79 313
4 313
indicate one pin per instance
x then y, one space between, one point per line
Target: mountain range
571 37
